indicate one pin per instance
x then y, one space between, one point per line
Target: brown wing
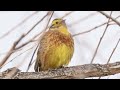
43 49
48 41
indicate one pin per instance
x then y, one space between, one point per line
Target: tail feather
37 67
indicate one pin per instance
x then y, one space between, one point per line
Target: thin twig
52 12
117 22
17 56
32 40
36 36
88 30
17 41
82 19
93 28
107 27
32 58
10 53
36 24
22 22
100 40
24 44
113 51
20 47
112 54
67 14
32 63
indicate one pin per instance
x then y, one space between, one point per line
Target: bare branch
52 12
80 72
32 40
82 19
14 28
117 22
100 40
112 54
10 53
113 51
17 56
93 28
89 30
67 14
24 44
16 42
32 58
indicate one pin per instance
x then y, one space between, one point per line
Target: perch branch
80 72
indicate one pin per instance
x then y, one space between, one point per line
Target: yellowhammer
56 47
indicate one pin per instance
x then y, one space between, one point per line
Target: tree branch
117 22
18 41
19 24
80 72
95 53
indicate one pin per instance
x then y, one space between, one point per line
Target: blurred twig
88 30
67 14
22 22
100 40
17 41
82 19
117 22
52 12
32 58
38 35
93 28
112 54
113 51
17 56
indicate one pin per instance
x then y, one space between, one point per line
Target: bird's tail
37 66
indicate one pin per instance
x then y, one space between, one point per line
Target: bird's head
56 23
60 25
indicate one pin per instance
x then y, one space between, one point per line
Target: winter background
77 21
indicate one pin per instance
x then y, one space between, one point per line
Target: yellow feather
56 47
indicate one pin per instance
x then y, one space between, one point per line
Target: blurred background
87 27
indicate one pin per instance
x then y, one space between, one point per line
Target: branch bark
74 72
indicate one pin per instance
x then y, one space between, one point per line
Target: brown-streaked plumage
56 47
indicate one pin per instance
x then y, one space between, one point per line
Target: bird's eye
56 22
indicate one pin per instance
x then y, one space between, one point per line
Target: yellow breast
59 56
59 52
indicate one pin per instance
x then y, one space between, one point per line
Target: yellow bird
56 47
